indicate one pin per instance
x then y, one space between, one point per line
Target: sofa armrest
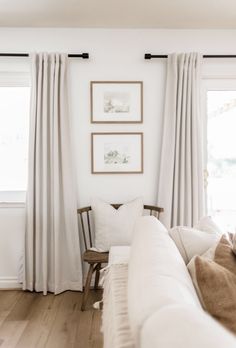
184 326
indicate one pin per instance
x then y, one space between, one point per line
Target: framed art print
116 101
116 153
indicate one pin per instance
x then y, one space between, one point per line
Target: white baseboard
9 283
13 282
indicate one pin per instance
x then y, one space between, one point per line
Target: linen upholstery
116 328
161 320
182 326
158 271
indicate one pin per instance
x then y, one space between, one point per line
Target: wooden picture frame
117 153
116 101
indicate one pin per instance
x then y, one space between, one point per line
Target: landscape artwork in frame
116 102
117 153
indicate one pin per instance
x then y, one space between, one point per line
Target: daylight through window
14 134
221 190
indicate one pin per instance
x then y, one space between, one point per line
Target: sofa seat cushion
119 255
158 276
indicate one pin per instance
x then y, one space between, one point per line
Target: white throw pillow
115 226
191 241
208 225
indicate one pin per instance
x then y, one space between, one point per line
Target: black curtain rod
150 56
82 55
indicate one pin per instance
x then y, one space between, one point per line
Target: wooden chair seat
92 256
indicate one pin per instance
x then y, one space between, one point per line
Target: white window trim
18 197
6 205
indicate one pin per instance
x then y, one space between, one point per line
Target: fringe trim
116 328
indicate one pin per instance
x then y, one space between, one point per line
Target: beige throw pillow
215 282
234 243
224 255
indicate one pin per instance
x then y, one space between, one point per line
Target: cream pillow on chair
115 226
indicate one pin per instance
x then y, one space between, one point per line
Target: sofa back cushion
157 275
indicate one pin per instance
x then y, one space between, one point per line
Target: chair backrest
86 223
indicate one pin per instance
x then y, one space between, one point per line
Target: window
14 134
221 151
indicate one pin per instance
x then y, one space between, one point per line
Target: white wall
11 245
114 55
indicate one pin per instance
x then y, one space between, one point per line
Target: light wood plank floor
29 320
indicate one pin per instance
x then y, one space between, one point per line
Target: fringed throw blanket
116 328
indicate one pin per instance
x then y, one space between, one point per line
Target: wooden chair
93 258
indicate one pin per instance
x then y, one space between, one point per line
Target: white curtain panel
181 185
52 260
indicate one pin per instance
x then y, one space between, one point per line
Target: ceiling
173 14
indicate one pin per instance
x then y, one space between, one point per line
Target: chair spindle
83 231
89 229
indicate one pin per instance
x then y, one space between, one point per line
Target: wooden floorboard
31 320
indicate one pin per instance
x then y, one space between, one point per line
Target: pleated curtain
181 185
52 260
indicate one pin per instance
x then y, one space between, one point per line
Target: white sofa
149 298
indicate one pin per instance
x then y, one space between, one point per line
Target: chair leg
87 287
97 276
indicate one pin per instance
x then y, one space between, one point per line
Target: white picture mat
125 144
133 90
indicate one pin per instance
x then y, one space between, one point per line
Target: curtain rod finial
147 56
85 55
